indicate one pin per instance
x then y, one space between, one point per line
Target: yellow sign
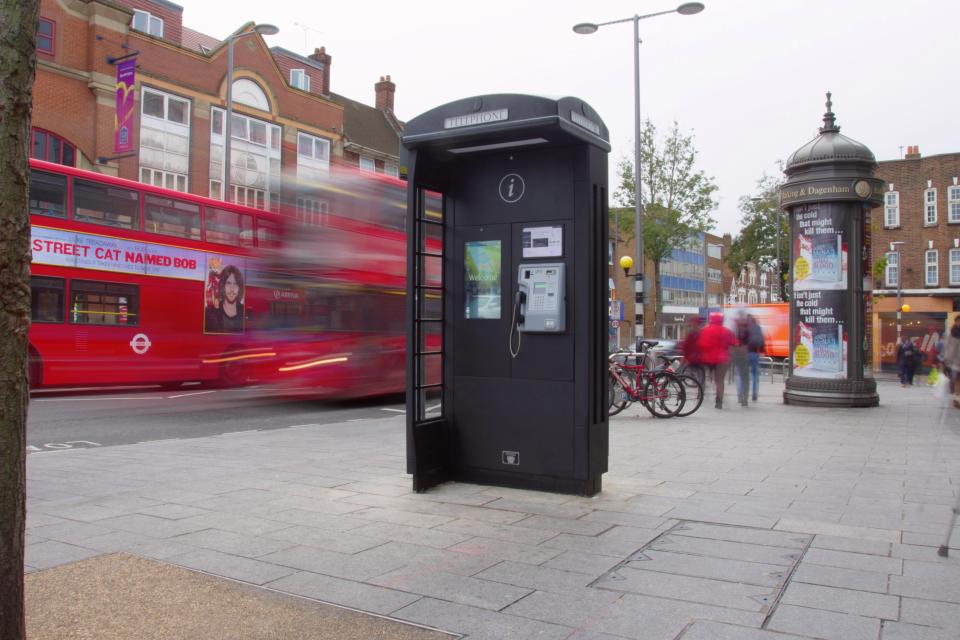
801 269
801 356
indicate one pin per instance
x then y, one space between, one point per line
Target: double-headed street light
584 28
263 30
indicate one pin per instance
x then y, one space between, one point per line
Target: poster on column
820 335
820 248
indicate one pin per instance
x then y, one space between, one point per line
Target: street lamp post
263 30
585 28
780 282
895 247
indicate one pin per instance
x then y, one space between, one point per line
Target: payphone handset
539 304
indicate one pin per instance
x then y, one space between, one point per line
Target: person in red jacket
714 345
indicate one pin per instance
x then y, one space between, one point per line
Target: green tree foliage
676 196
757 241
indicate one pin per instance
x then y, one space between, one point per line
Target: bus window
48 194
171 217
268 233
105 204
227 227
104 303
46 299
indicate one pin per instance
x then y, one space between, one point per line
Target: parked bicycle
661 391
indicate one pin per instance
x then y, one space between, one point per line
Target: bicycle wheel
663 394
696 371
694 395
619 397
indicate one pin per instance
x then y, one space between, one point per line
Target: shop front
924 324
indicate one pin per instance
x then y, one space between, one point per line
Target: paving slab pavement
120 596
766 522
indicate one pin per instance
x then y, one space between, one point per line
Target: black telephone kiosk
507 350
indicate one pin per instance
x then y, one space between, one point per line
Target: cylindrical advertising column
828 193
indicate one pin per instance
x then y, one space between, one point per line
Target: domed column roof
831 167
829 147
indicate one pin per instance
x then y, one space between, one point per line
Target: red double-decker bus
133 284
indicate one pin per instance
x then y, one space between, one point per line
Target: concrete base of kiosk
831 393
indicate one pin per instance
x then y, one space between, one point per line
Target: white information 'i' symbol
511 188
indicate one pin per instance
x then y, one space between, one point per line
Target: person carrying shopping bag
951 359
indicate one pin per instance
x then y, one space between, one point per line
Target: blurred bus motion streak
341 266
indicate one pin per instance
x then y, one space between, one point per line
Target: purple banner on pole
123 120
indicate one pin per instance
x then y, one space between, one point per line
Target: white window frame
267 151
316 144
149 23
954 257
165 179
367 164
249 196
299 79
167 98
312 211
891 208
931 267
893 267
391 169
953 204
930 206
273 132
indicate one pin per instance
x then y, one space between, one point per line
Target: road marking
32 448
358 419
193 393
302 426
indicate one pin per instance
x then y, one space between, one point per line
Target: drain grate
722 565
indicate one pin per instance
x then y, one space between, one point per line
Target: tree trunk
18 58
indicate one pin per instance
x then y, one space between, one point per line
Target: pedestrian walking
714 347
907 361
690 347
950 356
755 346
739 356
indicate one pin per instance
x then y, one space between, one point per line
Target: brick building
286 121
922 212
753 285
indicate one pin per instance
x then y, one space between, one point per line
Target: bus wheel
34 368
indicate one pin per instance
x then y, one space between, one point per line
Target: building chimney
913 152
385 90
320 55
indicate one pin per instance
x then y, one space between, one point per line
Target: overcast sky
747 77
